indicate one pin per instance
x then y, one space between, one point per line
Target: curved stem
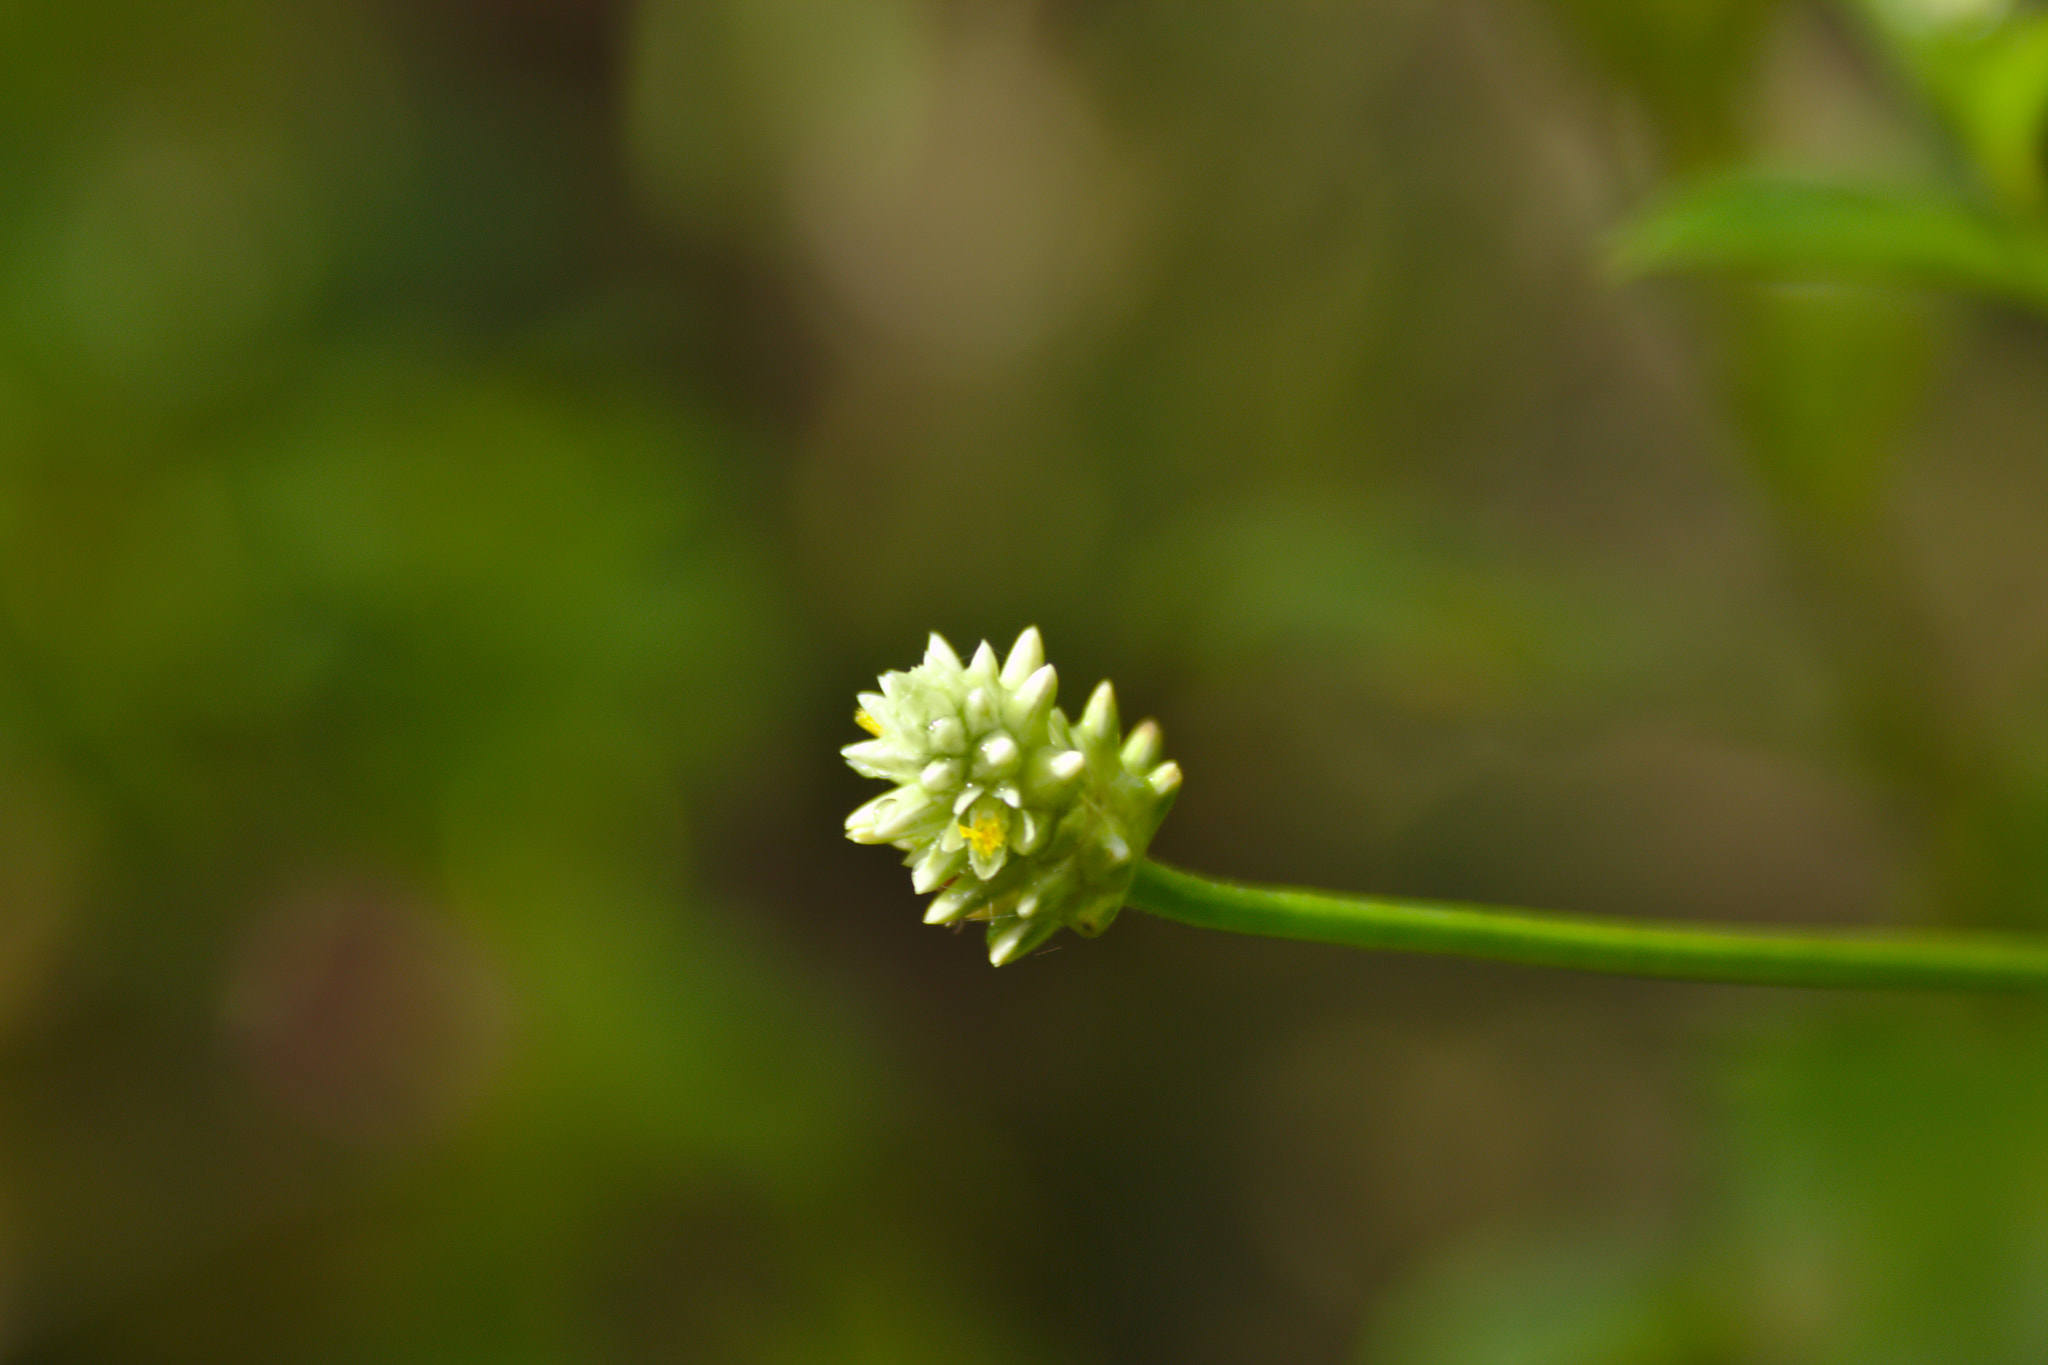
1625 947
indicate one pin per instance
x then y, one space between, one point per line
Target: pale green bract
1008 810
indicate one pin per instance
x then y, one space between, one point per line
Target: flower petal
1025 657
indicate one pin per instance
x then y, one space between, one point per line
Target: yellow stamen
986 835
867 723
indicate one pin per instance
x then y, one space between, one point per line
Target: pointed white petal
1018 937
880 758
910 806
1165 779
1007 944
940 654
1050 775
983 665
935 869
980 711
1141 750
952 904
1099 723
1030 831
868 813
1057 729
996 756
1032 698
1025 657
948 736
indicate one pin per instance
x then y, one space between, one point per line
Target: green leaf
1982 65
2002 105
1795 230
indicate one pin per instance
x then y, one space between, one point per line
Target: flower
1009 811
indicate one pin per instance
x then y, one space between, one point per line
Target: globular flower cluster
1007 810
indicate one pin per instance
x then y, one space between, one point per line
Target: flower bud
1011 813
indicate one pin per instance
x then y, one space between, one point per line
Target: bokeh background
459 458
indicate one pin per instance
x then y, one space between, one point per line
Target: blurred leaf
1985 69
1799 230
2002 102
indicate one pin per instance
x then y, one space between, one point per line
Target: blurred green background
459 458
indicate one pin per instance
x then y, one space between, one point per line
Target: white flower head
1009 811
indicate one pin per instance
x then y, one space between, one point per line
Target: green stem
1625 947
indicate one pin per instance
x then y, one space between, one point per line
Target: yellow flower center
867 723
985 834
